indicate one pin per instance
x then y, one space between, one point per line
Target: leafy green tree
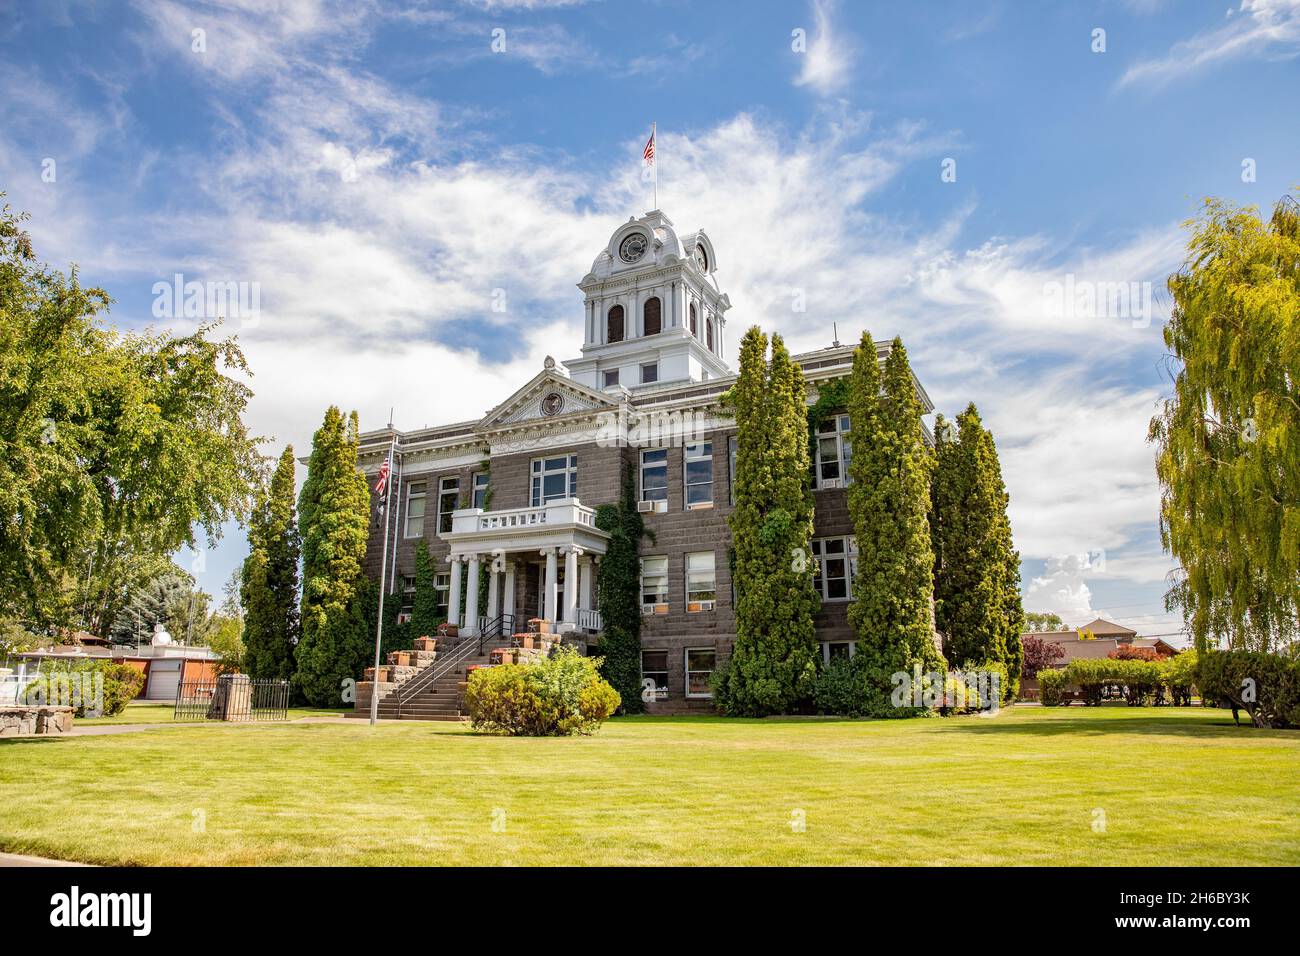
164 599
425 616
227 640
334 511
1228 440
976 569
889 502
618 588
116 447
1043 621
773 662
269 590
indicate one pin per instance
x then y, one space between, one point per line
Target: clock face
552 404
632 248
702 258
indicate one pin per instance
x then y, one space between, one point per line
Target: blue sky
380 171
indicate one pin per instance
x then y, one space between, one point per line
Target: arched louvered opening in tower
652 314
614 325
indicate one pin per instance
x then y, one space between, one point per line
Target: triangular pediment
549 396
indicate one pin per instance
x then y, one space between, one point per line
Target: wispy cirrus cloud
828 57
1266 28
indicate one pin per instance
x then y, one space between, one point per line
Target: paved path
17 859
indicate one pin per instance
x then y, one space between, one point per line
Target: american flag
383 476
648 154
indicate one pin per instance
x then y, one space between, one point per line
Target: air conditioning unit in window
661 507
827 483
647 608
699 504
645 507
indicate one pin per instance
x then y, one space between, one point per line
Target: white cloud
1260 28
828 59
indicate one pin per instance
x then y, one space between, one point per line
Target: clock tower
653 310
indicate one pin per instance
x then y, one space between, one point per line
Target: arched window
708 330
651 312
614 327
694 329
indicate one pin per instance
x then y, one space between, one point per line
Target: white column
453 597
571 585
509 603
551 584
584 570
493 590
471 598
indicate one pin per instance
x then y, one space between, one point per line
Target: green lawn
1176 787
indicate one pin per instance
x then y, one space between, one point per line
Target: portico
501 544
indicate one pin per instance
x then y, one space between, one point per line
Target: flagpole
654 138
383 571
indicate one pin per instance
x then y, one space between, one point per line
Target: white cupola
653 309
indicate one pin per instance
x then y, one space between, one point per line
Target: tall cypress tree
889 502
269 579
334 509
424 606
977 569
618 597
773 660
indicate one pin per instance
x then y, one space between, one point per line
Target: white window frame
421 496
538 473
606 377
661 693
482 482
732 444
839 434
660 573
712 589
696 452
446 486
660 464
826 650
442 585
686 666
654 368
821 579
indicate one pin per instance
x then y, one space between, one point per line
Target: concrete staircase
443 696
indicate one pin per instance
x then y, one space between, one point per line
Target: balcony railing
566 511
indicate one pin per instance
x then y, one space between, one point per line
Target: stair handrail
439 668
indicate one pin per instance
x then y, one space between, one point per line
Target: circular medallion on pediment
552 404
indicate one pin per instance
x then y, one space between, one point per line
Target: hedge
74 683
1051 686
1266 686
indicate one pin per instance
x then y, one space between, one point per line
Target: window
731 466
408 593
554 479
701 586
442 587
614 325
652 315
654 584
700 662
611 378
415 509
448 501
649 373
833 450
694 326
708 333
654 474
699 473
481 489
837 650
654 668
833 579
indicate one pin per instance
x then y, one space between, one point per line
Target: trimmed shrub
1051 687
78 684
841 689
1266 686
1179 677
558 697
1141 680
1091 676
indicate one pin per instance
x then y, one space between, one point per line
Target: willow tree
889 503
334 510
1229 439
269 585
976 566
774 657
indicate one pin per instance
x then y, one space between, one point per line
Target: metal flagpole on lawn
383 571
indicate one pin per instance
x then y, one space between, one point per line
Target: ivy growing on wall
618 596
831 397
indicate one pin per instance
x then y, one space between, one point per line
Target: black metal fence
233 697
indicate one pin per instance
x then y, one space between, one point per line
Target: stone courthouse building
511 496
